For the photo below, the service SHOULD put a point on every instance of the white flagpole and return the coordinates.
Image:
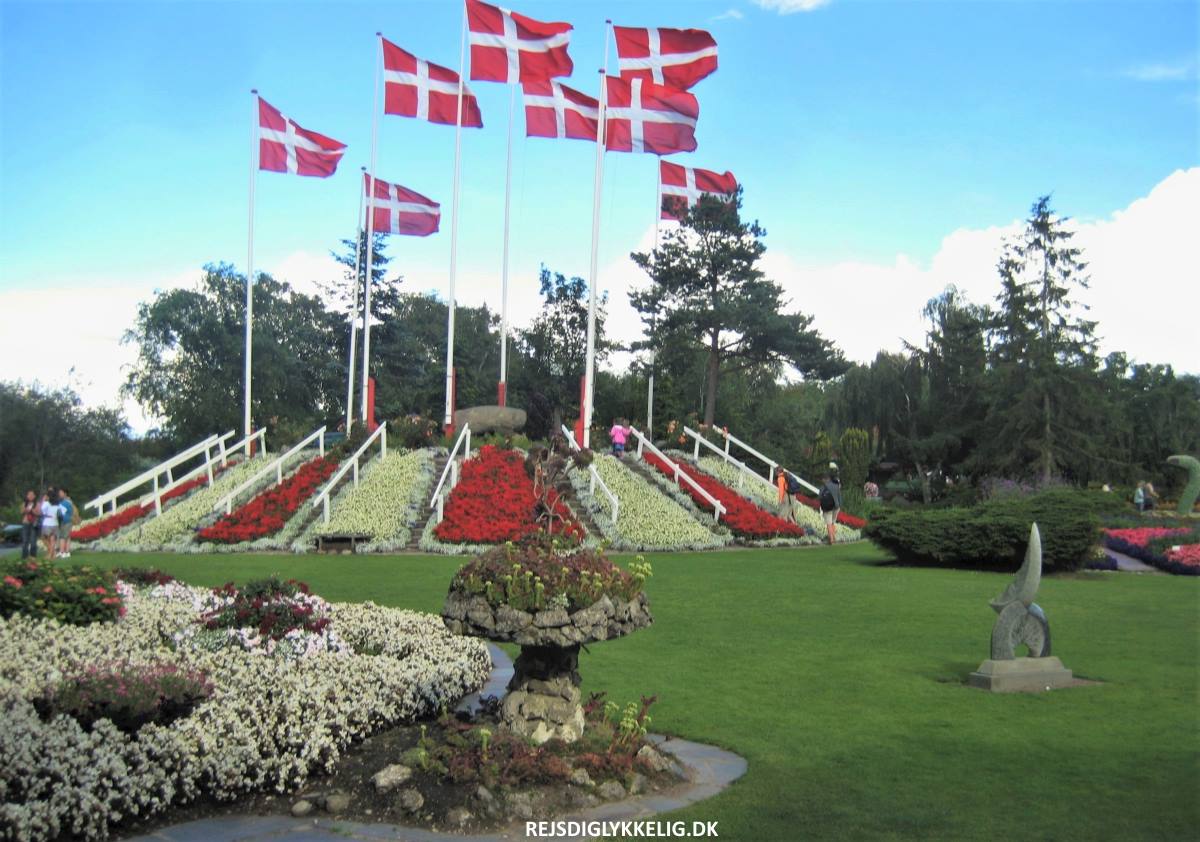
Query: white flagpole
(370, 227)
(589, 390)
(462, 61)
(358, 240)
(250, 265)
(653, 351)
(502, 391)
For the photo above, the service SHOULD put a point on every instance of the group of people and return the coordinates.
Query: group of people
(829, 498)
(1144, 496)
(50, 517)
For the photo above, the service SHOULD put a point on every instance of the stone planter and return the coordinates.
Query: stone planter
(543, 697)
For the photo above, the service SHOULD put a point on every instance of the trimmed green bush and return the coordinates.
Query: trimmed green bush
(993, 535)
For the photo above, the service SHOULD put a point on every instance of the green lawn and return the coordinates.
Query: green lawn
(840, 681)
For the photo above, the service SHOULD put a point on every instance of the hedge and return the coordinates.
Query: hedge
(993, 535)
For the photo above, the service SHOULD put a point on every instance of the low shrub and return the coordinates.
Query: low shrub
(413, 431)
(143, 577)
(75, 595)
(993, 534)
(128, 695)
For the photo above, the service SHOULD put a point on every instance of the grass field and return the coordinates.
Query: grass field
(840, 679)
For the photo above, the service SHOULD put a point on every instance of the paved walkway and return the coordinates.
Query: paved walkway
(709, 770)
(1130, 564)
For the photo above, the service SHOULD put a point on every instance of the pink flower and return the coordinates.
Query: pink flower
(16, 583)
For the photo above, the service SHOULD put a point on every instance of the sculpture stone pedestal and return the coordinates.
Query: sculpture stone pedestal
(1021, 675)
(543, 696)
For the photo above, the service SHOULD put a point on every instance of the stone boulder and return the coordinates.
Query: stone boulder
(605, 619)
(505, 420)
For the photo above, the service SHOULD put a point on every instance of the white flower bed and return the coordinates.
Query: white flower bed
(391, 496)
(758, 493)
(271, 722)
(647, 519)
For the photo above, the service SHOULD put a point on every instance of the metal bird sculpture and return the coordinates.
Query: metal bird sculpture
(1021, 619)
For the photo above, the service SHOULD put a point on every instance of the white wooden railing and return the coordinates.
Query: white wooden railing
(680, 474)
(744, 470)
(207, 447)
(614, 505)
(771, 464)
(322, 499)
(451, 469)
(275, 465)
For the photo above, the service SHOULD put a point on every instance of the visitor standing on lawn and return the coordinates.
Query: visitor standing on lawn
(49, 517)
(783, 499)
(31, 520)
(68, 516)
(831, 500)
(619, 435)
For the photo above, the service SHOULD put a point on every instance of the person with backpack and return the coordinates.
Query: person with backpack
(68, 517)
(831, 500)
(31, 518)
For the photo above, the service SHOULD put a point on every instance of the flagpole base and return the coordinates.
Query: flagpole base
(501, 393)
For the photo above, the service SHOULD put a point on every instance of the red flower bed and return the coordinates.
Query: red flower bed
(124, 517)
(842, 518)
(1144, 535)
(269, 511)
(743, 518)
(494, 502)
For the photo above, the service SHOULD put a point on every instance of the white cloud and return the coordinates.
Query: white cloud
(1142, 264)
(789, 7)
(1162, 71)
(728, 14)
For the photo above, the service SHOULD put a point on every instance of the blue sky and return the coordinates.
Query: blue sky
(860, 130)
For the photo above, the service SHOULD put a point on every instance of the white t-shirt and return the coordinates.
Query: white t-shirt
(49, 514)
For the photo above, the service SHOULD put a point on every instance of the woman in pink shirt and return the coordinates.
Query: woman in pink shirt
(619, 433)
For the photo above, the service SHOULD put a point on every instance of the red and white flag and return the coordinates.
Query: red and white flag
(285, 147)
(641, 116)
(683, 186)
(508, 47)
(399, 210)
(417, 88)
(554, 110)
(676, 57)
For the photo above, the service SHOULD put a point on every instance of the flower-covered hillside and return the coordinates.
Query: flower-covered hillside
(268, 511)
(392, 494)
(647, 519)
(104, 525)
(266, 686)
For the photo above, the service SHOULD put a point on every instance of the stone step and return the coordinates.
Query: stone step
(414, 540)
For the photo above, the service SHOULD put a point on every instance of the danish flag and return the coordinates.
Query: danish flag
(554, 110)
(676, 57)
(641, 116)
(509, 47)
(417, 88)
(399, 210)
(683, 186)
(285, 147)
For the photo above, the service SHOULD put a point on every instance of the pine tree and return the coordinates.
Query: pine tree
(1043, 355)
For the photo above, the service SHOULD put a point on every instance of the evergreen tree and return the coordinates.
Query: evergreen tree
(1045, 397)
(707, 291)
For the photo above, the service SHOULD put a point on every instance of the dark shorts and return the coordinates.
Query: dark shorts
(618, 448)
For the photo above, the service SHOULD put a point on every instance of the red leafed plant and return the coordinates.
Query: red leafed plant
(842, 518)
(267, 513)
(495, 502)
(124, 517)
(743, 518)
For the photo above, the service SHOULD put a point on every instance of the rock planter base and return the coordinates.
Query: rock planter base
(543, 696)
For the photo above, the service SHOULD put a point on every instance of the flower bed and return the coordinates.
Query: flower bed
(390, 497)
(74, 595)
(743, 518)
(271, 720)
(269, 511)
(494, 502)
(101, 527)
(175, 527)
(1173, 549)
(648, 519)
(808, 512)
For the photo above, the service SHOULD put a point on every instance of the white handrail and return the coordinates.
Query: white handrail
(322, 498)
(744, 469)
(167, 467)
(452, 469)
(614, 505)
(718, 509)
(275, 465)
(771, 463)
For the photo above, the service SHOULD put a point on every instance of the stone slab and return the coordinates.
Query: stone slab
(1021, 675)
